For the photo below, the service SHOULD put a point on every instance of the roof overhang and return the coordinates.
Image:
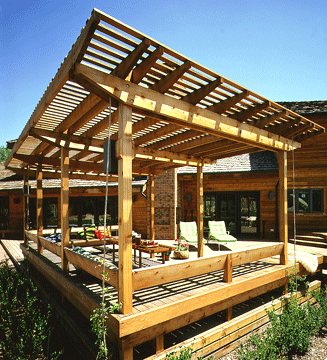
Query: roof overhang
(182, 112)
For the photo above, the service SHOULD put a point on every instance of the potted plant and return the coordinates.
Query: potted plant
(182, 250)
(167, 255)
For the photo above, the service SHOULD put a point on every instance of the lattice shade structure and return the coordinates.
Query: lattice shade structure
(182, 112)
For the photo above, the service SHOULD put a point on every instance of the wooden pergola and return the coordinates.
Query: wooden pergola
(165, 110)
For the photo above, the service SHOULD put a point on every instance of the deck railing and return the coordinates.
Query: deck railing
(157, 275)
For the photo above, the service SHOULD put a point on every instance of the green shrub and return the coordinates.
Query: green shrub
(290, 331)
(24, 319)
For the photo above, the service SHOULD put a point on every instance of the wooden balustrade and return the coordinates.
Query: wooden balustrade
(157, 275)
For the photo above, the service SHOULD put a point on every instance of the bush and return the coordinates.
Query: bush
(24, 325)
(290, 331)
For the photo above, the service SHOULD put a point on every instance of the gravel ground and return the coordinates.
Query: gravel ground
(318, 351)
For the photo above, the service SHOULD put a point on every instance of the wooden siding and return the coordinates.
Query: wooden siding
(16, 207)
(262, 182)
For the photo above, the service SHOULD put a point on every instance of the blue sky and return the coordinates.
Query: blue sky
(275, 48)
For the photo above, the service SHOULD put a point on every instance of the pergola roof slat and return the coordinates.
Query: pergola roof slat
(179, 107)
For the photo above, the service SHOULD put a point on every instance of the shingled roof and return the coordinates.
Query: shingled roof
(306, 107)
(259, 162)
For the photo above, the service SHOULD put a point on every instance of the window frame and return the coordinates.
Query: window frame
(310, 200)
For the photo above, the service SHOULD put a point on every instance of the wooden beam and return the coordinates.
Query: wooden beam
(199, 205)
(223, 105)
(303, 137)
(64, 205)
(165, 130)
(169, 80)
(153, 104)
(86, 166)
(141, 69)
(197, 95)
(59, 80)
(90, 101)
(89, 115)
(39, 206)
(250, 111)
(213, 146)
(268, 119)
(297, 130)
(182, 137)
(62, 139)
(164, 154)
(89, 86)
(125, 66)
(279, 128)
(125, 287)
(282, 203)
(102, 125)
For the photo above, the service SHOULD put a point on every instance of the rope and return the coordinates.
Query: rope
(294, 220)
(105, 227)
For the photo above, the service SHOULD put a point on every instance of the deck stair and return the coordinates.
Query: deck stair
(314, 239)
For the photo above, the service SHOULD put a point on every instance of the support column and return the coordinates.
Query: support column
(282, 211)
(39, 207)
(151, 186)
(26, 208)
(124, 153)
(64, 203)
(199, 204)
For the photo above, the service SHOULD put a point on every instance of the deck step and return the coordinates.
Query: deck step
(309, 243)
(322, 234)
(315, 238)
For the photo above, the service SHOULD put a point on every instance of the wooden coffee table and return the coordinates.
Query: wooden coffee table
(152, 250)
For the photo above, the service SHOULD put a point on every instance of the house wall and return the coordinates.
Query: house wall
(262, 182)
(16, 207)
(310, 171)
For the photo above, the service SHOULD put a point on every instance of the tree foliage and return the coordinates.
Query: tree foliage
(4, 153)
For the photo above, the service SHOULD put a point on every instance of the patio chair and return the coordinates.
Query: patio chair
(189, 231)
(218, 232)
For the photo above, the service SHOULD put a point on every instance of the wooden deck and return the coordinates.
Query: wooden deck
(166, 307)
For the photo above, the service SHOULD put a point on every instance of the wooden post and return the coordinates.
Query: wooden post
(151, 185)
(39, 207)
(160, 344)
(64, 203)
(228, 272)
(124, 153)
(199, 203)
(228, 277)
(282, 211)
(26, 209)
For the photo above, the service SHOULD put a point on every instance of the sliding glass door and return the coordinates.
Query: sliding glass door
(239, 210)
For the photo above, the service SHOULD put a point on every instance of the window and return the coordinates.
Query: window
(4, 212)
(50, 212)
(306, 200)
(85, 211)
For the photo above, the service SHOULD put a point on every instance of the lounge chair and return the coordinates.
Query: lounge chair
(189, 231)
(218, 232)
